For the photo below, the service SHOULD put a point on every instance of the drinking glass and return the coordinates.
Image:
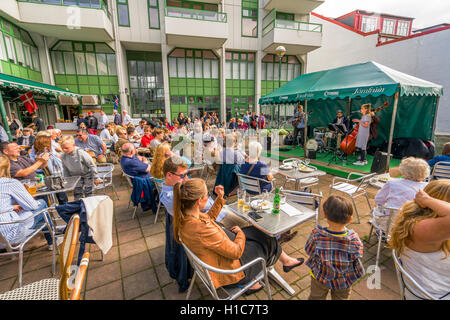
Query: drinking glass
(307, 160)
(246, 204)
(240, 197)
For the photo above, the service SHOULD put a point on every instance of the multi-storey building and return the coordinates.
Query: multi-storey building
(389, 26)
(160, 57)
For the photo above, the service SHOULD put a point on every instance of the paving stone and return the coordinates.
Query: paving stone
(95, 258)
(156, 241)
(111, 291)
(135, 263)
(140, 283)
(163, 275)
(102, 275)
(129, 235)
(128, 225)
(132, 248)
(6, 285)
(154, 295)
(158, 255)
(153, 229)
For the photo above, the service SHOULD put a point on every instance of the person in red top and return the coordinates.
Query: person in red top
(147, 138)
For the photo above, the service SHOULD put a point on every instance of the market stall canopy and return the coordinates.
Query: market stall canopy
(30, 85)
(358, 80)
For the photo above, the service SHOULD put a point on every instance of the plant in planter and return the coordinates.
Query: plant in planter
(282, 133)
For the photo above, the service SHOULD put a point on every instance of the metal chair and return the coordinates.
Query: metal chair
(302, 183)
(252, 184)
(53, 288)
(385, 228)
(158, 186)
(105, 172)
(353, 187)
(16, 245)
(406, 282)
(130, 183)
(441, 170)
(202, 271)
(311, 200)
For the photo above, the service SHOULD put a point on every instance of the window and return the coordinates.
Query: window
(403, 28)
(285, 16)
(69, 62)
(388, 26)
(3, 54)
(80, 62)
(91, 63)
(35, 57)
(290, 68)
(19, 52)
(250, 22)
(182, 64)
(153, 14)
(112, 69)
(122, 13)
(58, 63)
(28, 61)
(101, 64)
(369, 24)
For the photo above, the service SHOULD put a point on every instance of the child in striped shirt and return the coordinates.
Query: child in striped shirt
(334, 253)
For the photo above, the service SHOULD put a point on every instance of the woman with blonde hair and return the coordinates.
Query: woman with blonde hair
(16, 203)
(162, 153)
(398, 191)
(421, 237)
(222, 248)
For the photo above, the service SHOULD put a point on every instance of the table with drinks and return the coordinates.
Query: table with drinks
(51, 186)
(273, 214)
(299, 170)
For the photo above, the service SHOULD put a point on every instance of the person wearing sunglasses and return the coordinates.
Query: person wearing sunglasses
(93, 143)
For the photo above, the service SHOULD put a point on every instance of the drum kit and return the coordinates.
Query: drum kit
(330, 140)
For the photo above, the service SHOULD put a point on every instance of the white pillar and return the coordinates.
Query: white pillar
(164, 59)
(223, 92)
(121, 67)
(258, 76)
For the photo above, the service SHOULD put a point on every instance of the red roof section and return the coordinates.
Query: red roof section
(414, 36)
(364, 34)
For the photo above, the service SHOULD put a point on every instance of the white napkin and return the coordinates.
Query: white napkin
(290, 210)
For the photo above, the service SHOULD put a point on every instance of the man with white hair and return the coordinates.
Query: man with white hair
(126, 118)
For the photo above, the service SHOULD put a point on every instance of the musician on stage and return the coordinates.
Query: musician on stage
(299, 121)
(363, 134)
(342, 120)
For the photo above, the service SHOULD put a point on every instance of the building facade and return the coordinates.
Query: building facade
(389, 26)
(160, 57)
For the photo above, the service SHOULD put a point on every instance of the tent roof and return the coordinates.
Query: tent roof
(358, 80)
(25, 84)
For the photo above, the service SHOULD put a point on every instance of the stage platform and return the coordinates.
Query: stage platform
(335, 167)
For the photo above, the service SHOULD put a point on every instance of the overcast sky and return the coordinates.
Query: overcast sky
(426, 13)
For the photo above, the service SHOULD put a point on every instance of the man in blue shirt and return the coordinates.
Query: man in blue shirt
(300, 127)
(133, 165)
(92, 143)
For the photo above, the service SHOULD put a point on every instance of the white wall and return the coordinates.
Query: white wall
(425, 57)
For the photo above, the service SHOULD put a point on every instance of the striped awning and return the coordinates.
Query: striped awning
(7, 80)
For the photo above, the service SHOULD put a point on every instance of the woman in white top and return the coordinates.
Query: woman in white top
(398, 191)
(16, 203)
(421, 236)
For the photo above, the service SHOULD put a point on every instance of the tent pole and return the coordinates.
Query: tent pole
(391, 133)
(349, 107)
(4, 118)
(306, 126)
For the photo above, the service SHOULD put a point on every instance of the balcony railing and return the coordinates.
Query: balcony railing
(93, 4)
(196, 14)
(270, 22)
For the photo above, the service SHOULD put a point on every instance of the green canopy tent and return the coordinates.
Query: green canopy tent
(25, 85)
(412, 101)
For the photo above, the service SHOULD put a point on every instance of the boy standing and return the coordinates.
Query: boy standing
(334, 253)
(77, 162)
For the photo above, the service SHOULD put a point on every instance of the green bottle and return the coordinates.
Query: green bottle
(276, 202)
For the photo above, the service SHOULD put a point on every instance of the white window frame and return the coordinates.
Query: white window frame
(372, 22)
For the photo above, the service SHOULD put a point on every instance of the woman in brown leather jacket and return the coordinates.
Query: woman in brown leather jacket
(221, 248)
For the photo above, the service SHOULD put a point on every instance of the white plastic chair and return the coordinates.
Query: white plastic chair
(441, 170)
(252, 184)
(386, 228)
(105, 172)
(15, 246)
(202, 271)
(407, 282)
(353, 187)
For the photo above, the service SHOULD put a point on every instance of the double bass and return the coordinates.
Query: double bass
(348, 145)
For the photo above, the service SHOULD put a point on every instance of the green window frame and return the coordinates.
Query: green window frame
(249, 15)
(153, 11)
(285, 16)
(17, 46)
(122, 8)
(192, 5)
